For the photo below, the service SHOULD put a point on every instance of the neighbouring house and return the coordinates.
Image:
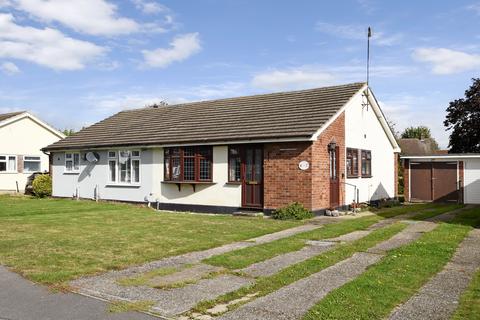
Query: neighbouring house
(442, 177)
(22, 135)
(417, 147)
(324, 147)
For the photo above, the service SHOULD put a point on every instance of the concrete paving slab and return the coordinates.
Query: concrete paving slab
(21, 299)
(438, 299)
(349, 237)
(191, 274)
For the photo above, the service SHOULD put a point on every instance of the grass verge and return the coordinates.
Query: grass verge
(55, 240)
(435, 211)
(469, 308)
(394, 279)
(468, 217)
(266, 285)
(126, 306)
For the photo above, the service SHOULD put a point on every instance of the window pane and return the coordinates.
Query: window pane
(12, 164)
(76, 161)
(167, 168)
(205, 169)
(189, 152)
(112, 154)
(69, 165)
(125, 171)
(136, 170)
(31, 166)
(112, 170)
(136, 153)
(31, 158)
(175, 168)
(234, 166)
(68, 156)
(3, 166)
(189, 169)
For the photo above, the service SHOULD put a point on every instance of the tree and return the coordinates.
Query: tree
(68, 132)
(463, 118)
(157, 104)
(421, 133)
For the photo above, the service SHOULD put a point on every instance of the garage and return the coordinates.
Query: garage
(442, 178)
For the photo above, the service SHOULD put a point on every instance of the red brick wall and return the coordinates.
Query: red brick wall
(284, 182)
(460, 178)
(20, 163)
(406, 179)
(320, 164)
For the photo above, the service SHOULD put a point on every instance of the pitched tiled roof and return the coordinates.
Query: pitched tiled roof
(296, 114)
(5, 116)
(417, 147)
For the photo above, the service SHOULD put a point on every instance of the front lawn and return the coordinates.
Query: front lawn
(56, 240)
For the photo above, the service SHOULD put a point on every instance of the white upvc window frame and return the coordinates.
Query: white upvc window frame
(70, 157)
(113, 158)
(39, 161)
(7, 161)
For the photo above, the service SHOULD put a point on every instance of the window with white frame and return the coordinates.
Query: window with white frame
(72, 162)
(31, 164)
(8, 163)
(124, 166)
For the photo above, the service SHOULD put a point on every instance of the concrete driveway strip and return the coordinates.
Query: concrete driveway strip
(438, 299)
(21, 299)
(310, 290)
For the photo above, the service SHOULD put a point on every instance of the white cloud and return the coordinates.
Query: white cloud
(149, 7)
(292, 79)
(356, 32)
(95, 17)
(9, 68)
(47, 47)
(180, 49)
(446, 61)
(475, 8)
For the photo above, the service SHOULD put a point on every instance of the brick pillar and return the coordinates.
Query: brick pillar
(19, 163)
(406, 179)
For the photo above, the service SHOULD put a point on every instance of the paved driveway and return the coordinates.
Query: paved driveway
(21, 299)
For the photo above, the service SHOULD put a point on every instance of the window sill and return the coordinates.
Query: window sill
(124, 185)
(192, 183)
(234, 182)
(367, 177)
(71, 172)
(9, 172)
(353, 177)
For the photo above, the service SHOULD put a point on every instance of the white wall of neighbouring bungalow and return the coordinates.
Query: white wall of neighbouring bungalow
(24, 137)
(363, 130)
(219, 193)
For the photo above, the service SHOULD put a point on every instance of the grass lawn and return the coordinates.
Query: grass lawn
(54, 240)
(394, 279)
(469, 308)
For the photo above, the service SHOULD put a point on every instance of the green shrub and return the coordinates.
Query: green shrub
(294, 211)
(42, 186)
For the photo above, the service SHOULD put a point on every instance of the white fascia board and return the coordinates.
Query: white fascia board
(336, 115)
(443, 157)
(34, 119)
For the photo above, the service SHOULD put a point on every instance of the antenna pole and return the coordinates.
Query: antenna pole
(368, 54)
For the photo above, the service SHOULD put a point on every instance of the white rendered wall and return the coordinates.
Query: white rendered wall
(220, 193)
(364, 131)
(23, 137)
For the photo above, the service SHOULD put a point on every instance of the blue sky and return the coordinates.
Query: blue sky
(76, 62)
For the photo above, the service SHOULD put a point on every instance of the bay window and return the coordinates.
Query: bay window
(188, 164)
(8, 163)
(72, 162)
(124, 166)
(31, 164)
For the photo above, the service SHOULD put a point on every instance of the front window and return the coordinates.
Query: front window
(352, 163)
(366, 163)
(124, 166)
(31, 164)
(188, 163)
(72, 162)
(234, 164)
(8, 163)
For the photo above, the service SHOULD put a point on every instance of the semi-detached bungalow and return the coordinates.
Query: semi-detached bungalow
(324, 147)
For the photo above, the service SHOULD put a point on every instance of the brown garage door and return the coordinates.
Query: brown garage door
(434, 181)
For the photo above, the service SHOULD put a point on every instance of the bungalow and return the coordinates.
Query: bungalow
(324, 147)
(22, 135)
